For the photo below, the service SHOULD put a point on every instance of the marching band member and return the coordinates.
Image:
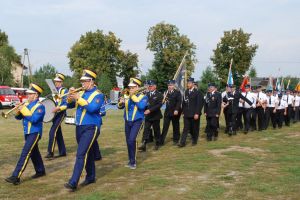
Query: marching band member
(55, 133)
(32, 114)
(88, 122)
(172, 112)
(135, 105)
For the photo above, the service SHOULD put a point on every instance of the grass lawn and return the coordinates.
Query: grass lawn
(260, 165)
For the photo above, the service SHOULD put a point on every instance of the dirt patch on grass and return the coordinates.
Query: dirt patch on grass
(249, 150)
(293, 134)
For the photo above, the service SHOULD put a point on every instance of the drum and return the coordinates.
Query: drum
(70, 120)
(49, 106)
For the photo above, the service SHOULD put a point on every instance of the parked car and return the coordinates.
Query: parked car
(21, 93)
(8, 98)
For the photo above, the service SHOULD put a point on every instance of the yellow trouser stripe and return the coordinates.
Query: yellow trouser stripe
(28, 156)
(86, 155)
(54, 139)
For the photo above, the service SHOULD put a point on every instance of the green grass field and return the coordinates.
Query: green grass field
(260, 165)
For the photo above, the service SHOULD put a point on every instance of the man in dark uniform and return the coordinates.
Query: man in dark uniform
(55, 133)
(191, 113)
(172, 113)
(212, 109)
(152, 116)
(32, 114)
(201, 103)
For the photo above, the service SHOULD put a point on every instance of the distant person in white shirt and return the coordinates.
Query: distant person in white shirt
(296, 106)
(289, 98)
(247, 109)
(280, 110)
(271, 99)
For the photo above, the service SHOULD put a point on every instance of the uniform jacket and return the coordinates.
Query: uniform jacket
(88, 107)
(173, 102)
(154, 105)
(134, 107)
(32, 114)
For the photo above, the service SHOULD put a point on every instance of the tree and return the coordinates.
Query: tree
(128, 66)
(207, 77)
(96, 51)
(47, 71)
(7, 57)
(105, 85)
(169, 47)
(233, 45)
(252, 72)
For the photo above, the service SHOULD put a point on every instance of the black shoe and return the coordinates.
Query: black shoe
(142, 148)
(194, 143)
(86, 182)
(175, 143)
(13, 179)
(181, 145)
(97, 159)
(156, 147)
(70, 187)
(208, 139)
(61, 155)
(37, 175)
(215, 138)
(49, 155)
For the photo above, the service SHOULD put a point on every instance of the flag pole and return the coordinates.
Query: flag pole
(179, 67)
(229, 69)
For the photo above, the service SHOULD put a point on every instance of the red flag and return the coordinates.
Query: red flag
(246, 81)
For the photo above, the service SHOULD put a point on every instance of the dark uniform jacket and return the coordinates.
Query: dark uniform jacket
(173, 102)
(191, 103)
(213, 103)
(154, 105)
(234, 99)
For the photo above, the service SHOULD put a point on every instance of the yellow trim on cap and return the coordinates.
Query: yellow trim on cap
(38, 88)
(60, 75)
(91, 73)
(137, 81)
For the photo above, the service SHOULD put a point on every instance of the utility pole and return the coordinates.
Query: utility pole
(26, 54)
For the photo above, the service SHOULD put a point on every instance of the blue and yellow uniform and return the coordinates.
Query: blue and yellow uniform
(96, 148)
(134, 108)
(55, 133)
(88, 122)
(32, 115)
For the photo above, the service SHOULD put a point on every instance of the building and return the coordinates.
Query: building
(17, 71)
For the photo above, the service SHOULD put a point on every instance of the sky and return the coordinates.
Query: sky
(49, 28)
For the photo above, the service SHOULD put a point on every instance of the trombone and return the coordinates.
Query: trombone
(5, 114)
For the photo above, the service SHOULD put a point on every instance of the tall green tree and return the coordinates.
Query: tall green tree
(252, 72)
(169, 47)
(7, 57)
(47, 71)
(96, 51)
(128, 66)
(104, 84)
(208, 76)
(233, 45)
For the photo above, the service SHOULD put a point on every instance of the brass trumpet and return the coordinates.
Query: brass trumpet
(5, 114)
(57, 96)
(126, 93)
